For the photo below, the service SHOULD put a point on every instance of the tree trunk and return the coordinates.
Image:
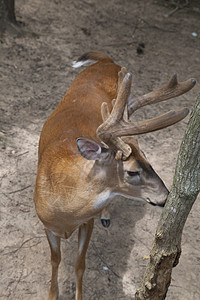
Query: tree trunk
(7, 14)
(186, 186)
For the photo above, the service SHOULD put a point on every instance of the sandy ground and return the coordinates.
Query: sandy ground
(35, 72)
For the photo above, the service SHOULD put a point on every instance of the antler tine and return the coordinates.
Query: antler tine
(122, 96)
(121, 76)
(172, 89)
(104, 108)
(122, 73)
(160, 122)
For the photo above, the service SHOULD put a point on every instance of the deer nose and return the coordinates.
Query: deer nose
(160, 202)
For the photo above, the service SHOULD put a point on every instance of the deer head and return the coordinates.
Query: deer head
(127, 171)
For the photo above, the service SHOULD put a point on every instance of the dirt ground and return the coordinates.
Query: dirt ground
(35, 73)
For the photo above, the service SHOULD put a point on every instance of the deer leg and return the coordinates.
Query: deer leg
(105, 216)
(54, 243)
(85, 232)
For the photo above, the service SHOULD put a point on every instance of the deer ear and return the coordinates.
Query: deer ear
(89, 149)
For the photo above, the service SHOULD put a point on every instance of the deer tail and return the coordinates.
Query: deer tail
(90, 57)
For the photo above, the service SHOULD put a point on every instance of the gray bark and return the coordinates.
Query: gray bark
(186, 186)
(7, 14)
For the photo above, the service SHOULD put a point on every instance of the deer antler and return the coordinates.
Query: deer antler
(115, 124)
(171, 90)
(115, 118)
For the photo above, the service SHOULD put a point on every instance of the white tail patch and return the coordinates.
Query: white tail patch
(78, 64)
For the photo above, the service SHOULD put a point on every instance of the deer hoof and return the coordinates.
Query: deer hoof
(105, 222)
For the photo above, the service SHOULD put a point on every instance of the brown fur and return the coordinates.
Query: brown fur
(71, 190)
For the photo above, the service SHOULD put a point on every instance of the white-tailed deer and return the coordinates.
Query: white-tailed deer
(84, 163)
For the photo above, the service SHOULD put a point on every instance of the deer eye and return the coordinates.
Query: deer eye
(132, 173)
